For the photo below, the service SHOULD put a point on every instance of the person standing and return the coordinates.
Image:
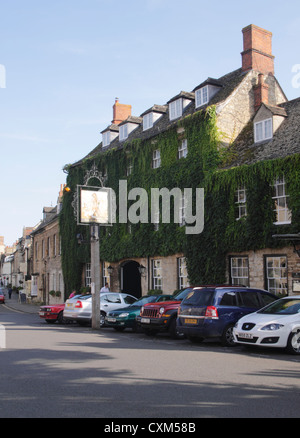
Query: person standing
(105, 289)
(9, 293)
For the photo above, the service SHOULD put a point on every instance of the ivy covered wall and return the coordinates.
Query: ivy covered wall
(206, 252)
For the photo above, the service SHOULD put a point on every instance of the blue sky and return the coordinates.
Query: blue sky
(67, 60)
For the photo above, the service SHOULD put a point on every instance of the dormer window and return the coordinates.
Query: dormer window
(201, 96)
(263, 130)
(123, 132)
(147, 121)
(175, 109)
(106, 139)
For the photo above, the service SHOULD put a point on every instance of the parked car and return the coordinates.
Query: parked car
(51, 314)
(158, 317)
(277, 325)
(2, 297)
(212, 312)
(80, 309)
(120, 319)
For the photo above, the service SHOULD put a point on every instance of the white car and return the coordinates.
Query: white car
(79, 309)
(276, 325)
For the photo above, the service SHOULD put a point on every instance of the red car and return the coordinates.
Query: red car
(2, 298)
(52, 313)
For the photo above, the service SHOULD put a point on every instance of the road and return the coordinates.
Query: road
(70, 371)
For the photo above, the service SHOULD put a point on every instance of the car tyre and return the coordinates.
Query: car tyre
(102, 319)
(293, 343)
(227, 338)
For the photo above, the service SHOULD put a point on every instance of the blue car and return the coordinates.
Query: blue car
(212, 312)
(126, 318)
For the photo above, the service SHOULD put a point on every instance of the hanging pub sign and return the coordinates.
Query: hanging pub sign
(95, 206)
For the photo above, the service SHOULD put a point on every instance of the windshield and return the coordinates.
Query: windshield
(199, 297)
(145, 300)
(182, 294)
(282, 307)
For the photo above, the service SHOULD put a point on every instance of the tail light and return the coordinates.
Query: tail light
(78, 305)
(211, 312)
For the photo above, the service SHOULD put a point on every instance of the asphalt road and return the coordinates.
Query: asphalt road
(71, 371)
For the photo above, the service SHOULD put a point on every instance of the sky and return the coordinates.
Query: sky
(63, 63)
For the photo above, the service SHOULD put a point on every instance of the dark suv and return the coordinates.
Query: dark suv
(211, 312)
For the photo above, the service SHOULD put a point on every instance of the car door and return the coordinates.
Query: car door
(110, 301)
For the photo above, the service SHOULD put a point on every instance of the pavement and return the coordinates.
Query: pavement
(15, 304)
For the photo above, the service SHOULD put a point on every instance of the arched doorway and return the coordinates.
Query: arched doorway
(131, 278)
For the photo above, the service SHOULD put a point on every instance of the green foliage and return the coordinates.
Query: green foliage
(206, 252)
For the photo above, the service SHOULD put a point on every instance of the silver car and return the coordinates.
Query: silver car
(79, 309)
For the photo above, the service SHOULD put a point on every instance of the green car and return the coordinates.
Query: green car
(125, 318)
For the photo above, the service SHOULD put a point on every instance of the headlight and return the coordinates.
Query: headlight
(123, 315)
(272, 327)
(161, 310)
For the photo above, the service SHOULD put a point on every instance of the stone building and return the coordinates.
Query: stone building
(236, 137)
(47, 283)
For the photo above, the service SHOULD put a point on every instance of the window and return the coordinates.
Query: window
(201, 96)
(147, 121)
(283, 214)
(182, 149)
(54, 245)
(105, 274)
(241, 209)
(156, 159)
(123, 132)
(156, 274)
(239, 271)
(250, 299)
(182, 206)
(175, 109)
(276, 274)
(263, 130)
(182, 273)
(105, 138)
(129, 167)
(229, 299)
(48, 247)
(88, 275)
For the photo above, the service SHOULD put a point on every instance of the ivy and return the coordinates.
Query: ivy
(206, 252)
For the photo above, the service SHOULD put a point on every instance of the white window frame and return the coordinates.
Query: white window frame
(175, 109)
(239, 270)
(241, 199)
(147, 121)
(183, 149)
(283, 214)
(156, 161)
(129, 167)
(156, 275)
(276, 274)
(88, 274)
(263, 130)
(182, 206)
(182, 273)
(106, 139)
(202, 96)
(123, 132)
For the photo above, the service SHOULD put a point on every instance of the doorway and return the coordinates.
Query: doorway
(131, 279)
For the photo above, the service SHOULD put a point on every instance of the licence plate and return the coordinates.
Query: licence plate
(245, 335)
(42, 313)
(190, 321)
(145, 320)
(111, 319)
(69, 305)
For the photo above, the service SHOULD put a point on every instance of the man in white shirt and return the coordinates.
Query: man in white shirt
(105, 288)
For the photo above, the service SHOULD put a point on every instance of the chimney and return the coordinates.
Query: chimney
(257, 54)
(120, 112)
(261, 92)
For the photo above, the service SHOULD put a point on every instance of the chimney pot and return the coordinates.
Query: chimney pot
(120, 112)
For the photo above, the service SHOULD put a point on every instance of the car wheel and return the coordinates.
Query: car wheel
(60, 318)
(102, 319)
(293, 344)
(227, 338)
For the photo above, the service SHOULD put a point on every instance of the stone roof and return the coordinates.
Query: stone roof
(285, 141)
